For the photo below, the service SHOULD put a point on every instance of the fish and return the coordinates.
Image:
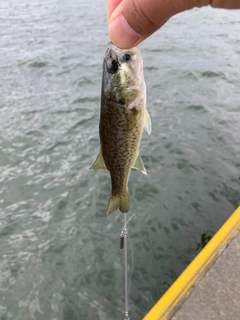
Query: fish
(123, 117)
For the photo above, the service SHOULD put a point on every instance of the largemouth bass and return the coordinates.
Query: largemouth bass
(122, 119)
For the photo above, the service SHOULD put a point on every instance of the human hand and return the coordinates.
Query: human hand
(132, 21)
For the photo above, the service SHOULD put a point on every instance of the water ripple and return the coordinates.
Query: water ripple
(56, 243)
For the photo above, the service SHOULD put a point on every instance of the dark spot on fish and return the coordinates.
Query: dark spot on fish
(134, 110)
(121, 101)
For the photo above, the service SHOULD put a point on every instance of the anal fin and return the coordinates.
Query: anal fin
(138, 165)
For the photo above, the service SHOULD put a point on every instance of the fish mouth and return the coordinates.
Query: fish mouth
(122, 55)
(131, 51)
(116, 57)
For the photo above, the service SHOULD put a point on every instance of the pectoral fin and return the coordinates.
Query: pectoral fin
(138, 165)
(147, 122)
(99, 163)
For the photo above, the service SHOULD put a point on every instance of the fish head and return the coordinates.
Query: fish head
(122, 68)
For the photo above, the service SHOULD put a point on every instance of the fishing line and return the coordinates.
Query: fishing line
(123, 244)
(131, 250)
(132, 264)
(125, 224)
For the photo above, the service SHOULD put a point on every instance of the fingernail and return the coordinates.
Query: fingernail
(122, 34)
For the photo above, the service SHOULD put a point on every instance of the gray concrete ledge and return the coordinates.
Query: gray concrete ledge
(217, 295)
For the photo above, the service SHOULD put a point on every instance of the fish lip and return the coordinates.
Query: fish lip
(119, 53)
(112, 46)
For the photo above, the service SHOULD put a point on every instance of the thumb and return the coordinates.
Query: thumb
(132, 21)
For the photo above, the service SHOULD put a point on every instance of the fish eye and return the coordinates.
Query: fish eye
(113, 67)
(126, 57)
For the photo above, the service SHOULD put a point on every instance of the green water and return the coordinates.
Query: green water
(59, 255)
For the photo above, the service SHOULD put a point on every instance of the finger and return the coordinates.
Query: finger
(226, 4)
(133, 21)
(112, 5)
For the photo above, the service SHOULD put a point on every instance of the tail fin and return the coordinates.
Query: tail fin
(121, 202)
